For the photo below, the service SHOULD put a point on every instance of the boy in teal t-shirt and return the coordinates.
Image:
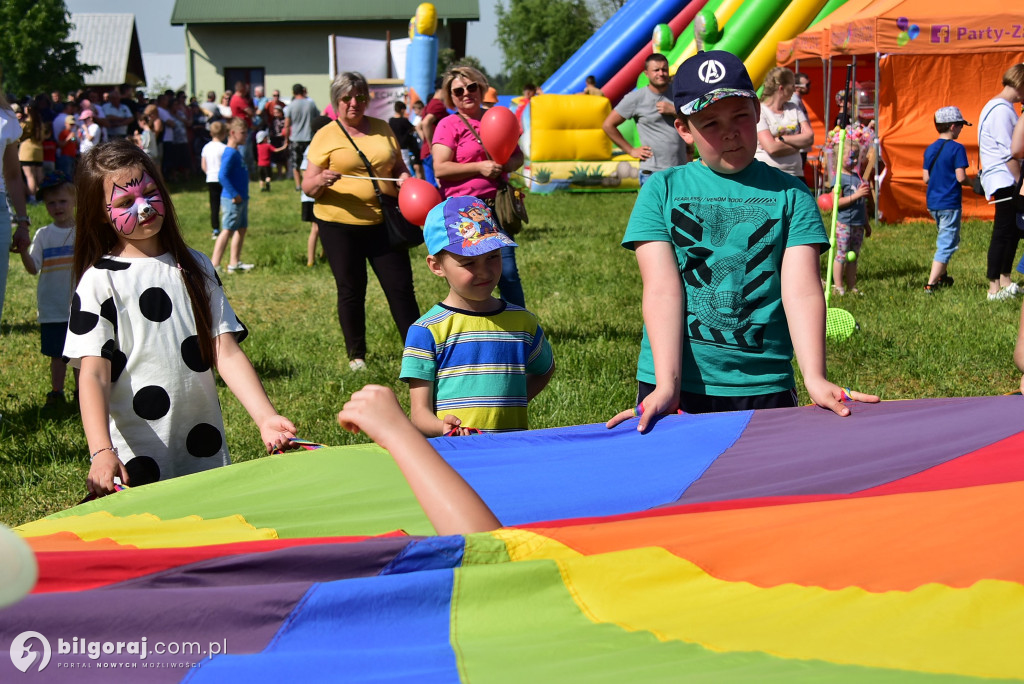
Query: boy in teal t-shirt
(728, 250)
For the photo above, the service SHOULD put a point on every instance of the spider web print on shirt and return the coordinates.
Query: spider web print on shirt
(721, 294)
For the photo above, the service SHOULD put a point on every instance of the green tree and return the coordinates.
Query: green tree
(538, 36)
(35, 52)
(447, 58)
(604, 9)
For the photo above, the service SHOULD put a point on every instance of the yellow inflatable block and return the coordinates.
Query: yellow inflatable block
(569, 127)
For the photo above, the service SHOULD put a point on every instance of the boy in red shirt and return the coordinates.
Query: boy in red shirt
(67, 143)
(264, 158)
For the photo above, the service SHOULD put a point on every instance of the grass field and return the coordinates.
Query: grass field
(584, 287)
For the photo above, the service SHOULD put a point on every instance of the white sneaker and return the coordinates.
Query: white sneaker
(1014, 289)
(1001, 295)
(239, 267)
(357, 365)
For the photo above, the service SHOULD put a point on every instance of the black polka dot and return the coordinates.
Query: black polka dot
(111, 265)
(203, 441)
(80, 322)
(241, 334)
(118, 361)
(151, 402)
(191, 356)
(109, 311)
(142, 470)
(155, 305)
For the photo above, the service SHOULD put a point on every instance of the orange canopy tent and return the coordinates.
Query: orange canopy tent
(926, 54)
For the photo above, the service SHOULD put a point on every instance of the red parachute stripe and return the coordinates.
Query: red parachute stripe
(95, 568)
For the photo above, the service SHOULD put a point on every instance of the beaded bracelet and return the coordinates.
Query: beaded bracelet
(109, 448)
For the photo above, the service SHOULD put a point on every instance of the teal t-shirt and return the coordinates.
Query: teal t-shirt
(729, 233)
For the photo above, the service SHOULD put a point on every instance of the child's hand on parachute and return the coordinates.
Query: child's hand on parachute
(105, 467)
(277, 432)
(657, 403)
(831, 396)
(452, 427)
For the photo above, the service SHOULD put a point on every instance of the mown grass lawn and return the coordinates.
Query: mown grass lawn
(584, 287)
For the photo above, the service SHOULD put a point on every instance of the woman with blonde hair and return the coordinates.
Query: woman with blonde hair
(783, 129)
(12, 190)
(462, 165)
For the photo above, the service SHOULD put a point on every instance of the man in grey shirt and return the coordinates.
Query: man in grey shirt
(298, 116)
(652, 109)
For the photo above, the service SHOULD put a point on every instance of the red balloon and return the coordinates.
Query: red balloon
(416, 198)
(499, 132)
(825, 201)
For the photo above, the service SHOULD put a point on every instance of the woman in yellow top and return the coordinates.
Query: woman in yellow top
(349, 215)
(30, 152)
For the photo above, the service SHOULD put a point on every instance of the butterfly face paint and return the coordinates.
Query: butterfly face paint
(131, 204)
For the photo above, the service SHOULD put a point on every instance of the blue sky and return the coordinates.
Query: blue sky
(157, 35)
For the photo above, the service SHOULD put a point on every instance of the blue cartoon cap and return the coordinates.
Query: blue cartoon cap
(464, 226)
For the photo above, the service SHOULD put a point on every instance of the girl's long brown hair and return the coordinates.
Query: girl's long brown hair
(95, 235)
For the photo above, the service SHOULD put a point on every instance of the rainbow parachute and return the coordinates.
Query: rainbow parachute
(787, 545)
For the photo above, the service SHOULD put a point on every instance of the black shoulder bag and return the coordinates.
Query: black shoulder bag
(976, 185)
(401, 233)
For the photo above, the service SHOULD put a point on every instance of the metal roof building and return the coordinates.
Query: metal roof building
(111, 42)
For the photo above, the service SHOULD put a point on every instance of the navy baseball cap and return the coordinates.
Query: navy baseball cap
(463, 226)
(708, 77)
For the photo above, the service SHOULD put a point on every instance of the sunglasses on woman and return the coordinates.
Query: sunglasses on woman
(358, 98)
(470, 88)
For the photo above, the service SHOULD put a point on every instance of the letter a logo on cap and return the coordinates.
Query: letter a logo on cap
(711, 71)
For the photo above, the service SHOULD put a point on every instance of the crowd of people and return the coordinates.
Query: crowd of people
(473, 362)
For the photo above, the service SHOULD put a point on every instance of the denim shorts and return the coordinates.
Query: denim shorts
(234, 216)
(948, 241)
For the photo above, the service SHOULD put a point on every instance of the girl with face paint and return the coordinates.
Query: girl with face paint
(149, 322)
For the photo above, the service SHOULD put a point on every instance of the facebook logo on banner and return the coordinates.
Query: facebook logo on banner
(940, 33)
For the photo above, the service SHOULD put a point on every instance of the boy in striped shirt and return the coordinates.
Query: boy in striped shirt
(50, 256)
(472, 362)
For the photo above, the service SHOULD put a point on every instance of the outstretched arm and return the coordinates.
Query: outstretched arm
(451, 505)
(234, 367)
(804, 304)
(663, 304)
(94, 399)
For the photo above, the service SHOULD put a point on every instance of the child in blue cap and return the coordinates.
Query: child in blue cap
(728, 249)
(473, 361)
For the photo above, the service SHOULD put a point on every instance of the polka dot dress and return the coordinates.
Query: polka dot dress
(163, 397)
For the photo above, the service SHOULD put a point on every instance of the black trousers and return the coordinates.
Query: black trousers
(348, 248)
(215, 190)
(1002, 248)
(704, 403)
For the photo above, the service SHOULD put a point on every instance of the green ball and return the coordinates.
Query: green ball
(851, 256)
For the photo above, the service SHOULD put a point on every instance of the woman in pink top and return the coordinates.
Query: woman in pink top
(462, 166)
